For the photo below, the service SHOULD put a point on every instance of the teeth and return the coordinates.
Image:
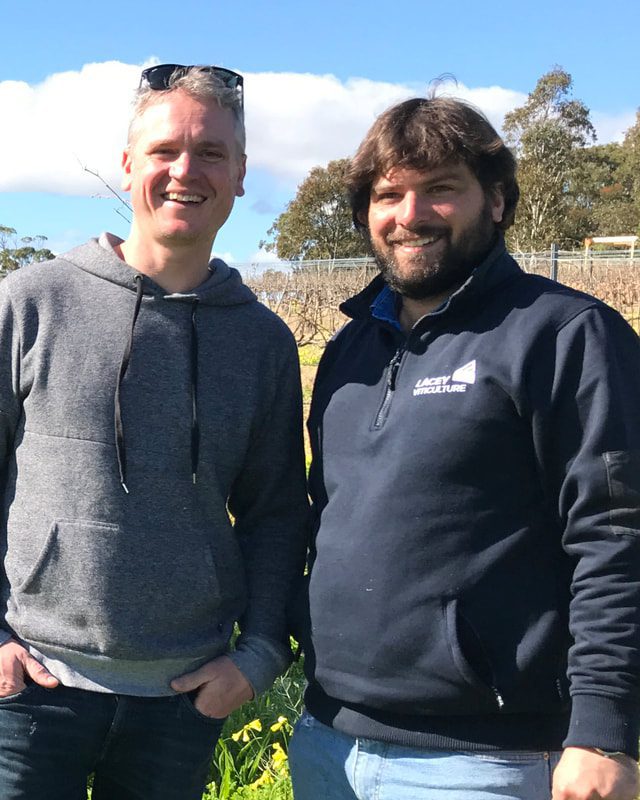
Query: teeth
(419, 242)
(184, 198)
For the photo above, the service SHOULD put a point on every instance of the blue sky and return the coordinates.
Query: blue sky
(316, 76)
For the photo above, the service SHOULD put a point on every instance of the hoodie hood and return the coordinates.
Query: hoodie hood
(223, 287)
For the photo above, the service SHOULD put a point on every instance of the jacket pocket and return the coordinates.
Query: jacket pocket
(411, 662)
(623, 478)
(101, 589)
(469, 654)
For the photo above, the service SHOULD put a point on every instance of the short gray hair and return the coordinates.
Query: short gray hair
(200, 84)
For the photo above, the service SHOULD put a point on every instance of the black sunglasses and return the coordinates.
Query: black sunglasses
(158, 77)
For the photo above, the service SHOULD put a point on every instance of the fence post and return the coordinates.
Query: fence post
(554, 262)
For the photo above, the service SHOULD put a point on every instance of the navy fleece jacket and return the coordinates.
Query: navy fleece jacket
(475, 577)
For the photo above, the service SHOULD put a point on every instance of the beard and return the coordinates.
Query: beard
(421, 275)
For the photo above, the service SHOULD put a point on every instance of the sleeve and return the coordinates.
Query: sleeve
(588, 434)
(10, 403)
(270, 506)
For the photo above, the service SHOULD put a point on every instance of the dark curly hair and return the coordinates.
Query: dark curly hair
(423, 133)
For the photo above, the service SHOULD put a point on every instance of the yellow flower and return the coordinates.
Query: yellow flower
(254, 725)
(264, 779)
(280, 722)
(279, 758)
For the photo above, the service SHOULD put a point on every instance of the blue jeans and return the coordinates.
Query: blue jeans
(139, 748)
(329, 765)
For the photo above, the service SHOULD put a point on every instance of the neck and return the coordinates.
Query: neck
(175, 269)
(413, 310)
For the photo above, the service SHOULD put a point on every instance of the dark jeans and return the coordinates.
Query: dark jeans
(140, 748)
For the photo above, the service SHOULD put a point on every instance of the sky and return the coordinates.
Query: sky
(316, 76)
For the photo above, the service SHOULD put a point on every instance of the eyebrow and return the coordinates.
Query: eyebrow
(203, 143)
(440, 174)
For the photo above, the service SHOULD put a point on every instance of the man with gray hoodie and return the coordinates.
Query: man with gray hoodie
(152, 475)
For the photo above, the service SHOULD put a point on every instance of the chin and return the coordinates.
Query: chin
(181, 236)
(425, 279)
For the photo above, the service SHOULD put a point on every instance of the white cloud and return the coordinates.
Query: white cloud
(72, 119)
(264, 257)
(294, 122)
(298, 121)
(226, 256)
(261, 261)
(307, 120)
(612, 128)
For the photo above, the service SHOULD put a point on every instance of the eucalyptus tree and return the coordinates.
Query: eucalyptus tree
(317, 223)
(547, 134)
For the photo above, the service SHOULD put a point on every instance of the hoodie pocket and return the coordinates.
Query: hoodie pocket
(101, 589)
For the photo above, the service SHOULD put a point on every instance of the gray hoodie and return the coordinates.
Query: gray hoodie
(153, 473)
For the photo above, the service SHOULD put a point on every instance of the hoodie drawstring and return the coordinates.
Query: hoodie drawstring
(124, 364)
(195, 427)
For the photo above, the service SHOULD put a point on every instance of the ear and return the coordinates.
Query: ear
(496, 201)
(242, 171)
(363, 217)
(126, 170)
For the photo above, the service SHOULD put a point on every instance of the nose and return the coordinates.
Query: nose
(413, 209)
(181, 165)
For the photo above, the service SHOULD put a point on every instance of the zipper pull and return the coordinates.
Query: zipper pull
(499, 699)
(394, 366)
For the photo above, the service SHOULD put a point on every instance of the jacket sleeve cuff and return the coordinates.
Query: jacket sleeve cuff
(260, 660)
(612, 724)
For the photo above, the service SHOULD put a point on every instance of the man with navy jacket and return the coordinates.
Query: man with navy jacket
(475, 571)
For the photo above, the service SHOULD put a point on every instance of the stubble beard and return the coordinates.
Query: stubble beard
(421, 277)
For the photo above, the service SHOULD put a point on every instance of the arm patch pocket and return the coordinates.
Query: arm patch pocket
(623, 477)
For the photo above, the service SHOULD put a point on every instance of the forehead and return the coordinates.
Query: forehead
(408, 176)
(177, 114)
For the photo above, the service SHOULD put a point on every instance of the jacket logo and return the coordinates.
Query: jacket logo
(466, 374)
(456, 382)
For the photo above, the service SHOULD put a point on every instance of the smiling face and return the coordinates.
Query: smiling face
(183, 170)
(430, 228)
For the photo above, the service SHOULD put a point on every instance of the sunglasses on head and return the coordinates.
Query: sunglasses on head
(158, 77)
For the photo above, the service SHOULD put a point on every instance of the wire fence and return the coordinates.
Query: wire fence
(610, 276)
(307, 294)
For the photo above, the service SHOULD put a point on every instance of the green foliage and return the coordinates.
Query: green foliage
(16, 253)
(547, 134)
(629, 174)
(279, 790)
(250, 759)
(310, 355)
(317, 223)
(605, 187)
(592, 188)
